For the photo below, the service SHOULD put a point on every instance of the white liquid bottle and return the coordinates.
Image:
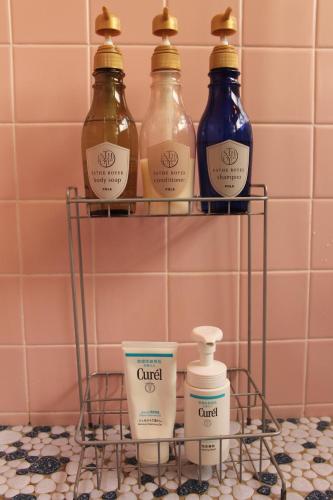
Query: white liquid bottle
(167, 137)
(207, 401)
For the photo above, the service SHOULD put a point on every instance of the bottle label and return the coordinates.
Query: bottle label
(228, 167)
(207, 416)
(108, 168)
(169, 168)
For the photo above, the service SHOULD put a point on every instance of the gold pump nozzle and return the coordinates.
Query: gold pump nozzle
(224, 24)
(165, 56)
(108, 55)
(107, 24)
(224, 55)
(165, 25)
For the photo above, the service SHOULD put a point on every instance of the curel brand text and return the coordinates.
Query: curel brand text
(207, 413)
(149, 375)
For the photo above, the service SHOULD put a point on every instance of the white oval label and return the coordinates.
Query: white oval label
(228, 167)
(108, 168)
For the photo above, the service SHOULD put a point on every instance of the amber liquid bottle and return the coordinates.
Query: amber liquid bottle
(109, 135)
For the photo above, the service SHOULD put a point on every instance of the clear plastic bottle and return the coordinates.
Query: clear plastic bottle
(167, 137)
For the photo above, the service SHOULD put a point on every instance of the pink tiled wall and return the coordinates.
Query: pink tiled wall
(156, 277)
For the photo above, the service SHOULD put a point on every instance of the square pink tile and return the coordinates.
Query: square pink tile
(323, 182)
(70, 418)
(321, 313)
(15, 418)
(227, 352)
(10, 310)
(324, 82)
(32, 22)
(130, 308)
(324, 26)
(6, 110)
(267, 96)
(110, 358)
(48, 312)
(287, 411)
(13, 394)
(44, 238)
(9, 253)
(315, 410)
(269, 160)
(283, 25)
(322, 235)
(7, 176)
(48, 160)
(319, 372)
(202, 300)
(133, 245)
(37, 80)
(287, 306)
(285, 371)
(4, 22)
(288, 236)
(196, 244)
(53, 378)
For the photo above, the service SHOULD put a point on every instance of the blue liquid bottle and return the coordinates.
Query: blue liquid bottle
(225, 132)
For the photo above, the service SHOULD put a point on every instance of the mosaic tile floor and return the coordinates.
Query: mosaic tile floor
(41, 462)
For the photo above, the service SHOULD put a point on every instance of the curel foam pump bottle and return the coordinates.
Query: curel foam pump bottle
(207, 401)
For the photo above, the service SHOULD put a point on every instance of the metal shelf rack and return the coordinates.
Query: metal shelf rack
(103, 394)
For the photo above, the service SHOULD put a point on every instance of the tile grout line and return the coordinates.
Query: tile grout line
(307, 331)
(88, 52)
(54, 123)
(208, 46)
(184, 343)
(17, 212)
(171, 273)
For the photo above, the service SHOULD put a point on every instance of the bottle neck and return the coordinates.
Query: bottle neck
(166, 88)
(224, 84)
(108, 88)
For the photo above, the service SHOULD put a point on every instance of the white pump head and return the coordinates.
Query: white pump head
(207, 336)
(206, 373)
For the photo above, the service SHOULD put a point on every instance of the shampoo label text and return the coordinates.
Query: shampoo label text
(228, 167)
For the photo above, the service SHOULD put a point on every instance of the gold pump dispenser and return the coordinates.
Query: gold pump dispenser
(165, 56)
(224, 55)
(108, 55)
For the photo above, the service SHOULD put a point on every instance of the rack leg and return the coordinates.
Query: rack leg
(264, 328)
(74, 298)
(249, 311)
(83, 307)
